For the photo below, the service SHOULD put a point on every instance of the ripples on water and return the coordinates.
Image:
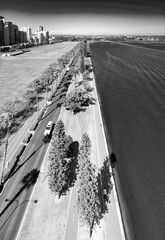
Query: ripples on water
(131, 85)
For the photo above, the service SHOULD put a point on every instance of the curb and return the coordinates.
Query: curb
(112, 178)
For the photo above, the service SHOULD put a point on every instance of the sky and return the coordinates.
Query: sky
(114, 17)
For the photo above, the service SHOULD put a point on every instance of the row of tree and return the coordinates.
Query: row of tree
(78, 99)
(60, 156)
(92, 183)
(88, 199)
(19, 109)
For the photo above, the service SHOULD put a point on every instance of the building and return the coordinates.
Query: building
(35, 40)
(16, 34)
(22, 37)
(10, 33)
(6, 35)
(40, 29)
(28, 31)
(2, 31)
(41, 37)
(46, 36)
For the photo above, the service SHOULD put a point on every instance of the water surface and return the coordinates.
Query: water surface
(131, 86)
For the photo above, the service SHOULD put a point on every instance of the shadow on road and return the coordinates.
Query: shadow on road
(71, 167)
(27, 181)
(104, 186)
(16, 166)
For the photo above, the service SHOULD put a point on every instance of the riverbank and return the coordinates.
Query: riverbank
(52, 216)
(114, 195)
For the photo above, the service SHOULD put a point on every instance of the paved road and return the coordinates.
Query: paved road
(72, 221)
(16, 195)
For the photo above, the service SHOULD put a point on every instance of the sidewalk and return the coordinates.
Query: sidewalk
(90, 121)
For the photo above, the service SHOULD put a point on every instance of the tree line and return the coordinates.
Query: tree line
(68, 162)
(14, 112)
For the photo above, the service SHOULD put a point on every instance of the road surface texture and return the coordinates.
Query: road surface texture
(15, 197)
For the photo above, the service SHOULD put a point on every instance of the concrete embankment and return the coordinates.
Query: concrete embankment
(114, 191)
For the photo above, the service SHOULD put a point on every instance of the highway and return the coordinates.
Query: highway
(15, 197)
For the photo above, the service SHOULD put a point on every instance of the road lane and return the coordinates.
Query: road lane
(16, 192)
(72, 221)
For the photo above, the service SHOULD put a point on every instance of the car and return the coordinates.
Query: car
(48, 128)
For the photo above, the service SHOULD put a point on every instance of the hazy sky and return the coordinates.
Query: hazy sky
(88, 17)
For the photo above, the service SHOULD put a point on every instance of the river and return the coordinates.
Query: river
(131, 86)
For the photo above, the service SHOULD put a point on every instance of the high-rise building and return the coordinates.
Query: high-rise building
(43, 36)
(46, 36)
(35, 39)
(22, 37)
(6, 35)
(40, 29)
(10, 27)
(28, 31)
(16, 34)
(40, 37)
(2, 31)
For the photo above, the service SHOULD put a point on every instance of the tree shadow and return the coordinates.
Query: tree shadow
(27, 181)
(71, 166)
(64, 90)
(104, 186)
(18, 121)
(59, 104)
(88, 101)
(16, 167)
(113, 160)
(78, 110)
(66, 84)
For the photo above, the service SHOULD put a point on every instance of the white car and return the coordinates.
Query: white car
(48, 128)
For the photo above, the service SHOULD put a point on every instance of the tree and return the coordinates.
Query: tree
(58, 160)
(75, 73)
(47, 80)
(36, 86)
(7, 125)
(88, 201)
(12, 107)
(78, 100)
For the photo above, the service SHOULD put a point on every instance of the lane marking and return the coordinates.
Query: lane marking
(21, 225)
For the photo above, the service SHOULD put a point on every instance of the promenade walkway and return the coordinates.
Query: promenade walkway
(90, 121)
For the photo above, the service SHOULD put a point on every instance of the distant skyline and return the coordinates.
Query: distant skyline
(88, 17)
